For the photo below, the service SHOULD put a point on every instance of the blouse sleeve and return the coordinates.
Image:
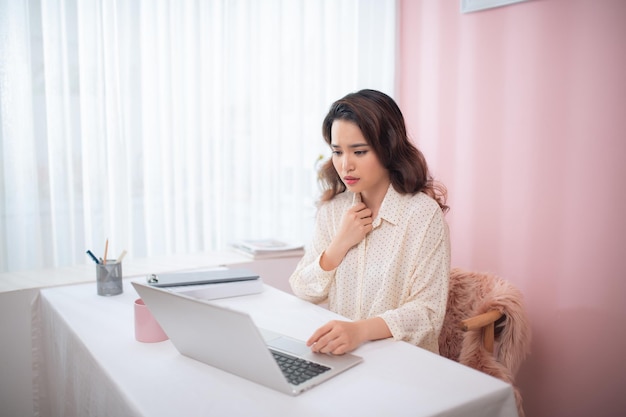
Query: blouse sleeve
(419, 318)
(309, 281)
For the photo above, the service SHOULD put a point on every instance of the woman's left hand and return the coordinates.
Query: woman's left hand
(336, 337)
(339, 337)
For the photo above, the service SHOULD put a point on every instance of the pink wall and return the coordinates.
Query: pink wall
(521, 111)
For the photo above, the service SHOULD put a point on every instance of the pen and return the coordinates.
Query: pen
(119, 258)
(92, 256)
(106, 249)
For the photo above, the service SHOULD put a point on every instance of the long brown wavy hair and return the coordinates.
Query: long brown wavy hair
(382, 124)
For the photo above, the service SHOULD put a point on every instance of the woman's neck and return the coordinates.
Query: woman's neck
(373, 199)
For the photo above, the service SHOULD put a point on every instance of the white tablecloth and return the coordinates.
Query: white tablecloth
(87, 363)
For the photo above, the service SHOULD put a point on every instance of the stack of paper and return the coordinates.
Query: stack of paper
(268, 248)
(221, 290)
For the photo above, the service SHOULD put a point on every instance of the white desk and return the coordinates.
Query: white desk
(87, 362)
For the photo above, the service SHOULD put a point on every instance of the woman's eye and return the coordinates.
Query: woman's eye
(359, 153)
(337, 153)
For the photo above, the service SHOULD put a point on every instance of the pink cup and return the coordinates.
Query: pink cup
(147, 329)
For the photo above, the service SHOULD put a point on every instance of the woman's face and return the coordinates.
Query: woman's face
(355, 161)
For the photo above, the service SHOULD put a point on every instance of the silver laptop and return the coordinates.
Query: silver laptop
(229, 340)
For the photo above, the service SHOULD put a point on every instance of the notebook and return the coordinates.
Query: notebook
(229, 340)
(211, 283)
(211, 276)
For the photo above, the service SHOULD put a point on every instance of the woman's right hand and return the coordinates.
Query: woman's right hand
(355, 224)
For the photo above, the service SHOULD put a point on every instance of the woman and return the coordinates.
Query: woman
(380, 255)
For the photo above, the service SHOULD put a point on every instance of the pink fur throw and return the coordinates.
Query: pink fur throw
(473, 293)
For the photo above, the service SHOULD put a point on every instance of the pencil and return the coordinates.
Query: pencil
(106, 249)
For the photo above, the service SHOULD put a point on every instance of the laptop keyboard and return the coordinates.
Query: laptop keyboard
(298, 370)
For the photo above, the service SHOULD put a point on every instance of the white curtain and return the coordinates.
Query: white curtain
(172, 126)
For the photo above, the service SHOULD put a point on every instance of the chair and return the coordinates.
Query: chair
(486, 326)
